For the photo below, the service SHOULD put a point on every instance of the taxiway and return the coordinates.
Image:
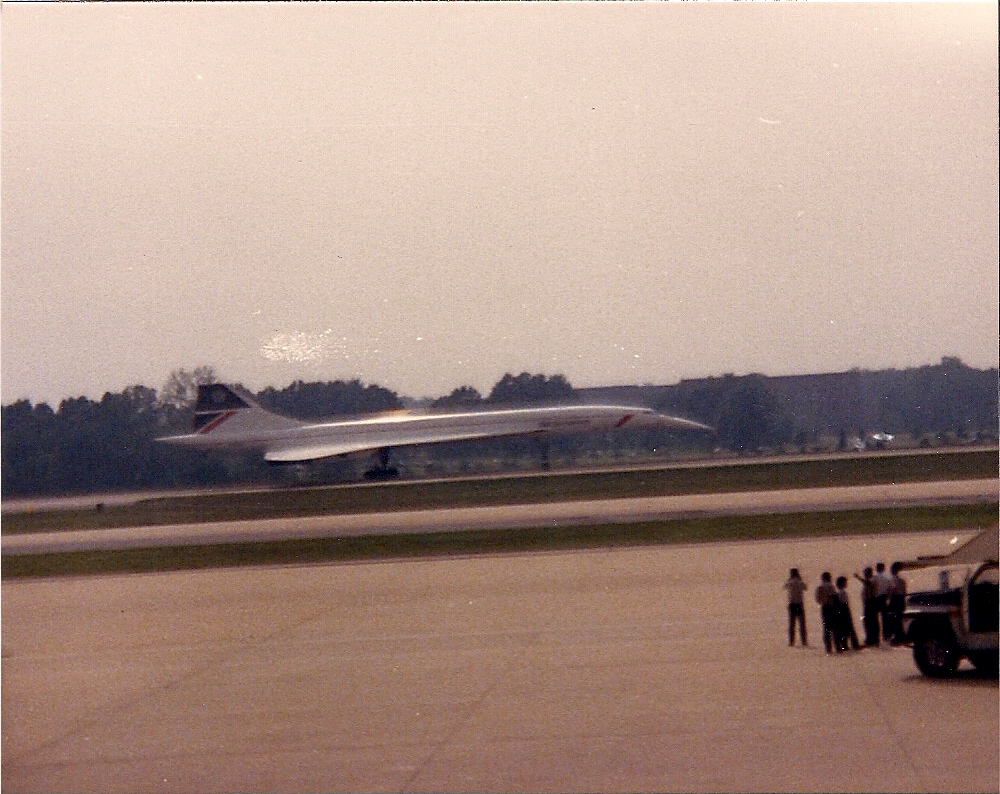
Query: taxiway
(659, 668)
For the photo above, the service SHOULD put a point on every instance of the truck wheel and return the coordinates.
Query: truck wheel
(935, 654)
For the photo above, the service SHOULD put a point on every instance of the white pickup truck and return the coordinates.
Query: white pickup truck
(957, 620)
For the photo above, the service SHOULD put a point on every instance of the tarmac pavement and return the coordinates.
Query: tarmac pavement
(658, 669)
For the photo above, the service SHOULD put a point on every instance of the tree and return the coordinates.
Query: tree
(527, 388)
(947, 397)
(181, 388)
(462, 397)
(27, 447)
(745, 412)
(319, 400)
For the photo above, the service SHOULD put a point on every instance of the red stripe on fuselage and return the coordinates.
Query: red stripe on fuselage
(216, 422)
(624, 419)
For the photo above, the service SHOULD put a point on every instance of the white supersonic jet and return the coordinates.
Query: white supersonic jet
(228, 417)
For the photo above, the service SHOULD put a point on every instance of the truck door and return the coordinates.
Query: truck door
(984, 612)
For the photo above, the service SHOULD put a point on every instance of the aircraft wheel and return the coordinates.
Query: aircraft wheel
(382, 474)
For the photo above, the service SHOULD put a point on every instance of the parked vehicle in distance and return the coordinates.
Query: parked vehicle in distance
(957, 620)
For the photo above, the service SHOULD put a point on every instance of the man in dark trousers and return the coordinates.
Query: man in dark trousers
(826, 597)
(870, 607)
(846, 636)
(897, 603)
(883, 589)
(796, 611)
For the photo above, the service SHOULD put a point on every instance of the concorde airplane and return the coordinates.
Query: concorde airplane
(228, 417)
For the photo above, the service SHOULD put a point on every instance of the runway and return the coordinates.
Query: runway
(509, 516)
(628, 669)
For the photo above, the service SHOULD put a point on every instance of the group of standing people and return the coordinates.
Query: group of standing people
(883, 598)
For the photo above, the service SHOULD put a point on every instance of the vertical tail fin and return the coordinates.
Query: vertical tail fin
(218, 404)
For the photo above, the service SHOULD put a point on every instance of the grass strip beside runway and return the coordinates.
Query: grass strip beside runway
(723, 477)
(518, 540)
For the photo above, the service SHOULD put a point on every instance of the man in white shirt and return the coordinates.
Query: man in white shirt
(796, 611)
(883, 589)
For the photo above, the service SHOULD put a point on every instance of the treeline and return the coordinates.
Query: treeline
(937, 404)
(107, 445)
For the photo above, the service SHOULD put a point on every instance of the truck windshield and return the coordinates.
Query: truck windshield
(938, 577)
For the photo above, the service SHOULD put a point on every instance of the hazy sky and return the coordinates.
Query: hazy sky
(429, 196)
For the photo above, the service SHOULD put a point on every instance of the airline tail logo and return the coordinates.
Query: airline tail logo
(216, 404)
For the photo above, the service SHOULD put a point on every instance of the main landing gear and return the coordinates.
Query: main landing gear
(383, 471)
